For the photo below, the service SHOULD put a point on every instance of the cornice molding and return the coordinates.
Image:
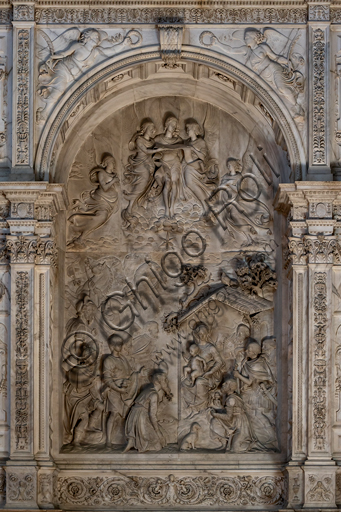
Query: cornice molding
(189, 13)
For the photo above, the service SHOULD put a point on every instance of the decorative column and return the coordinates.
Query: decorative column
(22, 90)
(32, 253)
(319, 60)
(315, 256)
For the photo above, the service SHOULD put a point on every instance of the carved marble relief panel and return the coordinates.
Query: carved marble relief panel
(277, 56)
(169, 341)
(63, 56)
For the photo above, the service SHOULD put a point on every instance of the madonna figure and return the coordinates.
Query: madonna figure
(140, 169)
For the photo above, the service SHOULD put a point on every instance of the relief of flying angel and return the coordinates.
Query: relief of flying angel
(66, 56)
(271, 56)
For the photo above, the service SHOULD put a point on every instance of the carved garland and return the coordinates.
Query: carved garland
(23, 111)
(22, 414)
(320, 362)
(319, 107)
(158, 491)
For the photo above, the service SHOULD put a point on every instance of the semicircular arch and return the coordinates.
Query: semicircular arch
(134, 59)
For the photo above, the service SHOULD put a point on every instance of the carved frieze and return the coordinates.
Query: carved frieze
(21, 487)
(171, 15)
(168, 491)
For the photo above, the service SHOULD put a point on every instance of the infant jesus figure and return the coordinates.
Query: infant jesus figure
(196, 365)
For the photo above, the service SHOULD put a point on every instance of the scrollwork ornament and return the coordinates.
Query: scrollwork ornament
(22, 386)
(172, 490)
(319, 101)
(22, 106)
(21, 487)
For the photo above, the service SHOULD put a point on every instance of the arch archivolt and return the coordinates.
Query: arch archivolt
(202, 74)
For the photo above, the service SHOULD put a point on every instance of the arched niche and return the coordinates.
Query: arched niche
(205, 74)
(149, 267)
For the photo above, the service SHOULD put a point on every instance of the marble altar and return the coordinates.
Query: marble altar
(170, 255)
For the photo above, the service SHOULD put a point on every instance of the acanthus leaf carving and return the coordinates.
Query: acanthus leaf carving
(321, 249)
(171, 15)
(46, 252)
(319, 12)
(21, 249)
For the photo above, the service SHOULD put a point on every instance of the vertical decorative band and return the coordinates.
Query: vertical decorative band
(319, 99)
(23, 113)
(22, 381)
(320, 360)
(41, 362)
(299, 362)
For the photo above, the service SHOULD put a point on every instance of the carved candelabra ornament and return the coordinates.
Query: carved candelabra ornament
(171, 41)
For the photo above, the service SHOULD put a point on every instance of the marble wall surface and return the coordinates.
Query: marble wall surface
(170, 256)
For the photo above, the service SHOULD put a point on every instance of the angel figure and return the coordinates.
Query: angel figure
(70, 53)
(200, 173)
(279, 68)
(243, 213)
(274, 68)
(139, 172)
(96, 207)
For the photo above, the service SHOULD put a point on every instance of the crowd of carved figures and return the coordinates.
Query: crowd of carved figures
(116, 396)
(166, 172)
(169, 344)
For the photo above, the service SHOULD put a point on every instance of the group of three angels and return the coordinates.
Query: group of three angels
(169, 166)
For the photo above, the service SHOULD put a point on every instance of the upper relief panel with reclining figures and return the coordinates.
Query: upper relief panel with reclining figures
(170, 278)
